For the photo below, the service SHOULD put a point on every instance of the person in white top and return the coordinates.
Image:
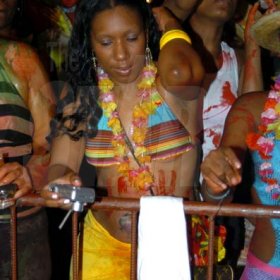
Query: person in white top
(229, 72)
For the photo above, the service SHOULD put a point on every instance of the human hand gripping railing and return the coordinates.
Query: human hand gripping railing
(191, 208)
(78, 198)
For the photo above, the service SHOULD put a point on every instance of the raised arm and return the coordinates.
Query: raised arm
(251, 76)
(180, 67)
(222, 167)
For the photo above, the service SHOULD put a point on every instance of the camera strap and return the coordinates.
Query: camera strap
(130, 147)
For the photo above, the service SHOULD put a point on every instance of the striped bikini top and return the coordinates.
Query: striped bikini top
(16, 123)
(166, 137)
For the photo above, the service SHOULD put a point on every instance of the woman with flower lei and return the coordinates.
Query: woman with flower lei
(145, 140)
(253, 123)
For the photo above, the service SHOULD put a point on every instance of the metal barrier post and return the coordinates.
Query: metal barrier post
(13, 240)
(75, 262)
(133, 262)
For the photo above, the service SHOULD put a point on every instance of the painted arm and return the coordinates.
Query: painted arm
(41, 104)
(222, 167)
(180, 67)
(251, 77)
(38, 96)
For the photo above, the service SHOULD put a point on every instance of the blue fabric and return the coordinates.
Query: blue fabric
(266, 196)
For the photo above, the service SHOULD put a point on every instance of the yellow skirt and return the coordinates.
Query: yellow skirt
(104, 257)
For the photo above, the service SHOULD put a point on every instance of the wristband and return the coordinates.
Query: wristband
(217, 197)
(173, 34)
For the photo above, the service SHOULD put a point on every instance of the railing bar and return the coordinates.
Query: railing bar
(13, 240)
(75, 245)
(211, 244)
(133, 266)
(190, 207)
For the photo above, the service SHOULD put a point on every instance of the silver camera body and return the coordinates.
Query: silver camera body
(78, 196)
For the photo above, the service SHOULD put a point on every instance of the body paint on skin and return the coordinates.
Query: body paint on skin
(21, 59)
(161, 188)
(249, 67)
(122, 185)
(243, 116)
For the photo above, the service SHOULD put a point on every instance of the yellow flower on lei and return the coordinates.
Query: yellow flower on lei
(115, 125)
(275, 126)
(149, 107)
(108, 107)
(120, 150)
(144, 159)
(139, 135)
(139, 113)
(139, 151)
(105, 85)
(141, 178)
(123, 168)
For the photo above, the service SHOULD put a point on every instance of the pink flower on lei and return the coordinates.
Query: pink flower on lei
(266, 144)
(268, 116)
(266, 169)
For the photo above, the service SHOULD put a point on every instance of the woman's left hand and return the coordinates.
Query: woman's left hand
(253, 15)
(14, 172)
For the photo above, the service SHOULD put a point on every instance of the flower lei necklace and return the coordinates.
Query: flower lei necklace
(140, 178)
(263, 142)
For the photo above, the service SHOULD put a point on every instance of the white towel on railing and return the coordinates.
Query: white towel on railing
(162, 240)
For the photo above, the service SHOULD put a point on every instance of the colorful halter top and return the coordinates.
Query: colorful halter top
(166, 137)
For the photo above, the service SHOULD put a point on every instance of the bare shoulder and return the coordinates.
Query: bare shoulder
(21, 57)
(252, 99)
(252, 103)
(16, 48)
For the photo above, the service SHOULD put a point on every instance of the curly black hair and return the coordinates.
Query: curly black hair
(81, 78)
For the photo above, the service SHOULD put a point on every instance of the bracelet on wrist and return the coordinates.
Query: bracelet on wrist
(172, 35)
(217, 197)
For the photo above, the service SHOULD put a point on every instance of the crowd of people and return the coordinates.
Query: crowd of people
(161, 99)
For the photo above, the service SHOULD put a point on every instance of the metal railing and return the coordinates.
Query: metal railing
(133, 205)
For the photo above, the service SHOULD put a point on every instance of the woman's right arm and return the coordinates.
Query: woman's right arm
(66, 158)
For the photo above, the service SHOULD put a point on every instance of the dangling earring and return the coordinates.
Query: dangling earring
(148, 53)
(148, 56)
(94, 62)
(97, 68)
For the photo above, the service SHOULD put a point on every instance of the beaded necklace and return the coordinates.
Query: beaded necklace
(140, 178)
(263, 142)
